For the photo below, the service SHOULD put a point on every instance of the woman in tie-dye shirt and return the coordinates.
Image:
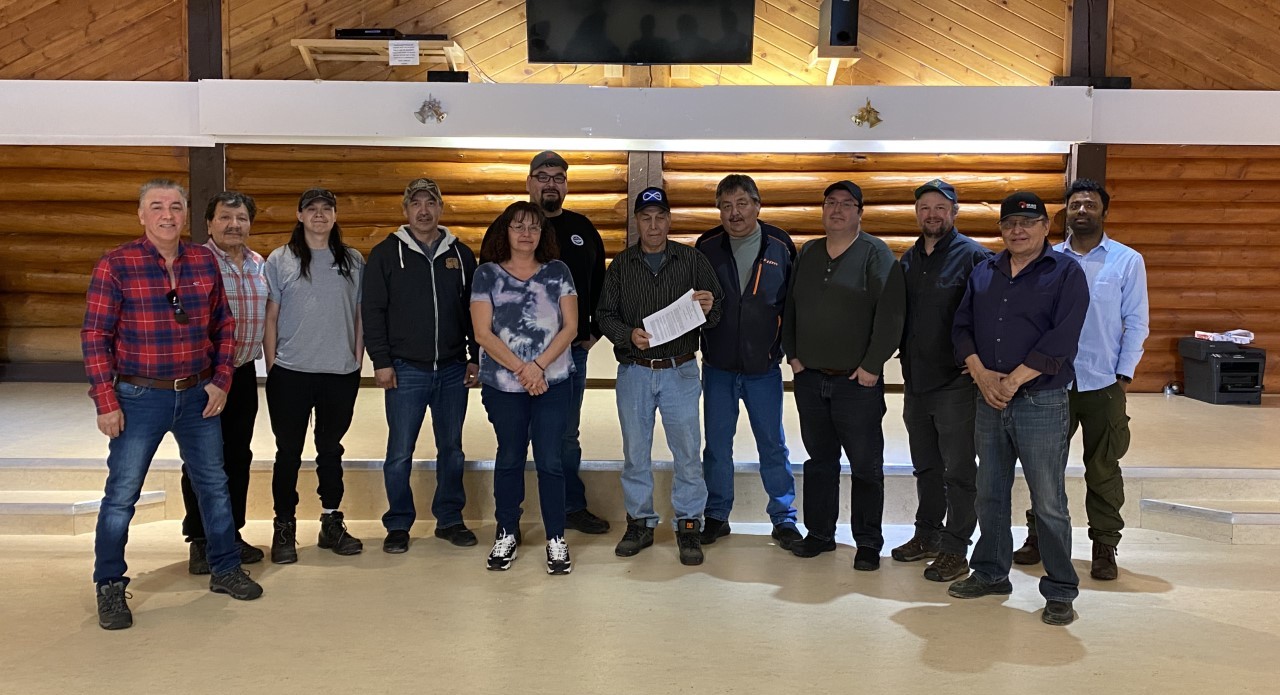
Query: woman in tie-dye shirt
(525, 311)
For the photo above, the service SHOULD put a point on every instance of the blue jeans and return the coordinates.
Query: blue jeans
(762, 394)
(518, 420)
(673, 393)
(575, 493)
(148, 415)
(417, 389)
(1032, 429)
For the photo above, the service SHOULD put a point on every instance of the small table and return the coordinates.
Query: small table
(372, 51)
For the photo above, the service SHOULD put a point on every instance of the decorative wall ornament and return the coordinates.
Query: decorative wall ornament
(867, 116)
(432, 110)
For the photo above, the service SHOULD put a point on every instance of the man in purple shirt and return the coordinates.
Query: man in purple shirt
(1017, 331)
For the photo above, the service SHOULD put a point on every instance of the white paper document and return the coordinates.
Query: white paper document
(673, 321)
(402, 53)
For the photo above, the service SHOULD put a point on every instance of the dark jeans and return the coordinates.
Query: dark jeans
(836, 413)
(943, 459)
(417, 389)
(291, 398)
(1102, 416)
(575, 492)
(237, 419)
(519, 419)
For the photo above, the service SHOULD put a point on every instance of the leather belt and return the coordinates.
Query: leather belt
(837, 372)
(662, 363)
(182, 384)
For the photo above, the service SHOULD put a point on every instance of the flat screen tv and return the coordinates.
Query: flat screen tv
(641, 32)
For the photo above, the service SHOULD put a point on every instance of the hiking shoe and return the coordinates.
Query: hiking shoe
(713, 529)
(786, 535)
(1029, 553)
(558, 561)
(918, 548)
(1104, 562)
(637, 537)
(284, 541)
(113, 607)
(812, 546)
(689, 540)
(197, 557)
(457, 534)
(977, 587)
(235, 584)
(396, 542)
(948, 567)
(334, 536)
(504, 551)
(1057, 613)
(248, 554)
(586, 522)
(866, 559)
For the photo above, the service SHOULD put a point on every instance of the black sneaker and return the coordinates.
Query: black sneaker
(689, 539)
(786, 535)
(637, 537)
(113, 607)
(812, 546)
(235, 584)
(197, 558)
(249, 555)
(1057, 613)
(866, 559)
(713, 529)
(284, 541)
(503, 553)
(586, 522)
(976, 587)
(918, 548)
(948, 567)
(457, 534)
(396, 542)
(334, 536)
(558, 561)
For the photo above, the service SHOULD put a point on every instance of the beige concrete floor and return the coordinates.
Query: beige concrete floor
(1186, 616)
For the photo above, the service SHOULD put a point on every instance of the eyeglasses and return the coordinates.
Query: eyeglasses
(842, 204)
(548, 178)
(521, 228)
(1019, 223)
(178, 314)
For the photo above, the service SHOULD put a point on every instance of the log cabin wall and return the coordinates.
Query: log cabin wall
(1196, 44)
(93, 40)
(61, 208)
(369, 181)
(1207, 221)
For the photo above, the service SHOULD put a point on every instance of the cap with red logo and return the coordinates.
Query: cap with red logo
(1023, 204)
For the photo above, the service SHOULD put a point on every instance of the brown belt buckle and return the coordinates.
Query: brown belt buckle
(177, 383)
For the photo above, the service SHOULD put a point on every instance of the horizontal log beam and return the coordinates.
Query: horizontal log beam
(877, 187)
(41, 309)
(1193, 169)
(922, 164)
(172, 160)
(604, 209)
(25, 185)
(40, 345)
(327, 153)
(292, 178)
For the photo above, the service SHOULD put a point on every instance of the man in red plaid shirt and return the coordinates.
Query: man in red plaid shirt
(158, 346)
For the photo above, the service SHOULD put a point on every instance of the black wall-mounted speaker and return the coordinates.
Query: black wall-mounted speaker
(844, 23)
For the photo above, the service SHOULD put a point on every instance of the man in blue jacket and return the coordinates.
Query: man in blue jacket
(741, 355)
(417, 328)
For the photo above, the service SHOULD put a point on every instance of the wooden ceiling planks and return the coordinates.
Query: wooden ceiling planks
(1196, 44)
(94, 40)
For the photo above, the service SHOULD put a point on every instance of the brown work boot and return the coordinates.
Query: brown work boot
(1104, 562)
(1029, 553)
(918, 548)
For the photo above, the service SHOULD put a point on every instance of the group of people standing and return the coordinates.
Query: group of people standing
(1003, 357)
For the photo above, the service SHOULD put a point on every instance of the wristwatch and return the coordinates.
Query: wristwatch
(1125, 379)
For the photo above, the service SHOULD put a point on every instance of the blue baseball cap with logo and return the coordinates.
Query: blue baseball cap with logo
(1023, 204)
(652, 196)
(939, 186)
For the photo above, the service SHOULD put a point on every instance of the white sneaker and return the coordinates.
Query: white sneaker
(558, 561)
(504, 551)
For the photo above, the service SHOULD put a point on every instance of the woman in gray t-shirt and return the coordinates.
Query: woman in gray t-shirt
(525, 311)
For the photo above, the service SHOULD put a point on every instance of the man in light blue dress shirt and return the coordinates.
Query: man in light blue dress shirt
(1110, 347)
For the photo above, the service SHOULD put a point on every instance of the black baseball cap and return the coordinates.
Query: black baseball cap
(312, 194)
(652, 196)
(1022, 204)
(947, 190)
(547, 159)
(849, 186)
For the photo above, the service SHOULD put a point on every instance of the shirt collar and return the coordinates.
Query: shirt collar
(942, 243)
(1105, 245)
(1005, 264)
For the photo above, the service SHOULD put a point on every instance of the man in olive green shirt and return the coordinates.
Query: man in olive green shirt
(843, 321)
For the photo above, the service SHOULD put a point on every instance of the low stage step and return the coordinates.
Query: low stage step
(1241, 522)
(65, 512)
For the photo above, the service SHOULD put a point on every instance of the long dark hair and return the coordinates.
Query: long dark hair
(496, 247)
(341, 252)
